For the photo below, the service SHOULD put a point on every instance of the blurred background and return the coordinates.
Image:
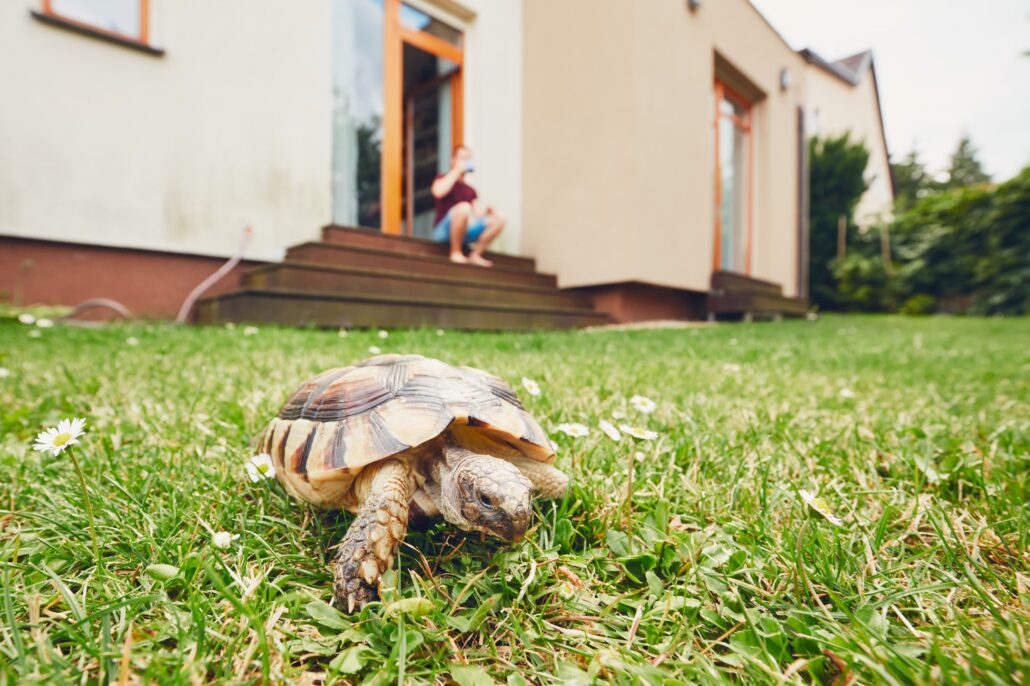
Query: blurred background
(669, 159)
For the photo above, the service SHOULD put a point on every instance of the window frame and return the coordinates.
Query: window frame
(746, 125)
(48, 14)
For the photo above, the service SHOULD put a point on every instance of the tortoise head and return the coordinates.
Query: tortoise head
(490, 495)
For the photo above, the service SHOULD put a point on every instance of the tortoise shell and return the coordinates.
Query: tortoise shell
(343, 419)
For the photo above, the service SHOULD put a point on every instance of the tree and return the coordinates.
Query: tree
(965, 169)
(836, 183)
(911, 180)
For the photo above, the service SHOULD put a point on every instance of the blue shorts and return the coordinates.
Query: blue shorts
(442, 231)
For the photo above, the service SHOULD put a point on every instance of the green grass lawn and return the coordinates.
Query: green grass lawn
(691, 557)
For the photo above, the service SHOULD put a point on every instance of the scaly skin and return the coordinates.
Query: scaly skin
(372, 539)
(548, 482)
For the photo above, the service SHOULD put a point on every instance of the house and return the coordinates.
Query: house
(649, 157)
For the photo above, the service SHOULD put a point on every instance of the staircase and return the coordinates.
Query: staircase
(365, 278)
(735, 295)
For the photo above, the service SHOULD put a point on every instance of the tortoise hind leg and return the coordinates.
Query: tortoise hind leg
(372, 539)
(548, 482)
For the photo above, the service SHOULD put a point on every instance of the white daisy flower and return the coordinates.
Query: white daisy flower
(637, 432)
(812, 316)
(575, 430)
(26, 318)
(375, 349)
(55, 439)
(618, 414)
(230, 325)
(35, 333)
(846, 393)
(44, 323)
(250, 331)
(343, 333)
(609, 429)
(223, 539)
(731, 368)
(532, 387)
(819, 506)
(383, 333)
(643, 404)
(439, 332)
(733, 341)
(260, 467)
(132, 340)
(4, 372)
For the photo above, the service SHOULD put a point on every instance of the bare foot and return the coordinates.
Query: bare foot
(480, 260)
(459, 258)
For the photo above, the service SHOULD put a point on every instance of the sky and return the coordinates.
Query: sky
(944, 68)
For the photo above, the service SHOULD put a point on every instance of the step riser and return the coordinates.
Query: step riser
(365, 285)
(731, 284)
(271, 309)
(366, 239)
(740, 303)
(343, 257)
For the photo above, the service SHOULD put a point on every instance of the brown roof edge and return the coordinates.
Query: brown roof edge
(833, 68)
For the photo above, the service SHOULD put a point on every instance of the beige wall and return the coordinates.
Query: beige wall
(836, 107)
(103, 144)
(618, 142)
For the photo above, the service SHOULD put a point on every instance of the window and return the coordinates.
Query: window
(123, 19)
(733, 181)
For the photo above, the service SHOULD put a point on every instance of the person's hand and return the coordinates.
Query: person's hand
(458, 167)
(489, 209)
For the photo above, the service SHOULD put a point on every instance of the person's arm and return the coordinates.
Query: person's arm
(443, 185)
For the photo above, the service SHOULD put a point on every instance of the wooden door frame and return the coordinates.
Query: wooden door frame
(394, 38)
(745, 124)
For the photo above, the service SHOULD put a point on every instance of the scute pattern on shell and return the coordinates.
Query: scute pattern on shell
(344, 419)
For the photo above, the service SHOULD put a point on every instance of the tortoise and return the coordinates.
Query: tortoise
(405, 436)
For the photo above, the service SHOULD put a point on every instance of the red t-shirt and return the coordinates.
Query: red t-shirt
(460, 192)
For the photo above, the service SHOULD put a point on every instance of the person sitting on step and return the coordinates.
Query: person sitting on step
(461, 219)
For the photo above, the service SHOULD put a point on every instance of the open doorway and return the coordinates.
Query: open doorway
(429, 133)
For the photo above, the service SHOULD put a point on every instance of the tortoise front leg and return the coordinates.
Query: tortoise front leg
(548, 482)
(372, 539)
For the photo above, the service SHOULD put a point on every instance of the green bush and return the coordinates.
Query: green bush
(836, 183)
(968, 245)
(918, 304)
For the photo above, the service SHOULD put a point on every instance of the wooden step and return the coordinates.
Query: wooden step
(370, 238)
(731, 282)
(755, 304)
(305, 308)
(426, 265)
(359, 281)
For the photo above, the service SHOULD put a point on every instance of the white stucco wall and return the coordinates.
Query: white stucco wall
(105, 145)
(835, 107)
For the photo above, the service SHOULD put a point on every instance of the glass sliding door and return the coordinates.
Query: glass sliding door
(733, 182)
(358, 107)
